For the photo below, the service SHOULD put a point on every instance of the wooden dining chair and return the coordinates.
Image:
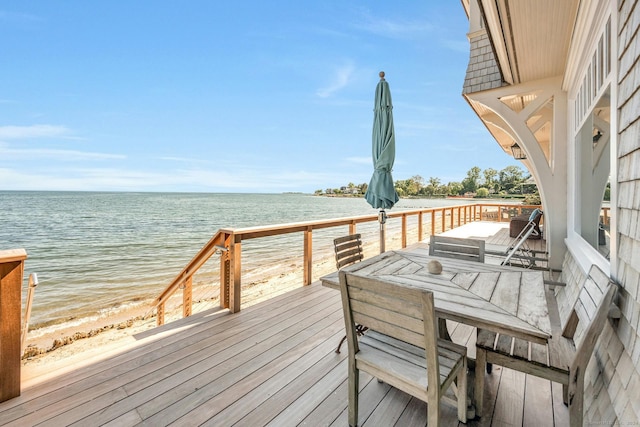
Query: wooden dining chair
(458, 248)
(455, 247)
(348, 250)
(402, 347)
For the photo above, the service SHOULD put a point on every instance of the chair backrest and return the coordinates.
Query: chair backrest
(534, 220)
(535, 216)
(404, 313)
(454, 247)
(348, 250)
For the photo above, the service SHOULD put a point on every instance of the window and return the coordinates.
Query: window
(593, 156)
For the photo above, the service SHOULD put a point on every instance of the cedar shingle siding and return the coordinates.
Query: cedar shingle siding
(482, 72)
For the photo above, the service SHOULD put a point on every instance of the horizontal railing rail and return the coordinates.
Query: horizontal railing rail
(228, 243)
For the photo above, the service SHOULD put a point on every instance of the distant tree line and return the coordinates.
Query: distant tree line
(478, 183)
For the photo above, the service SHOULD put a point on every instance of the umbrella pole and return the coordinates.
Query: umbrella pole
(382, 218)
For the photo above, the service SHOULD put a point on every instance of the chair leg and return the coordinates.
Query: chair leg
(354, 379)
(576, 398)
(433, 414)
(462, 392)
(443, 331)
(478, 393)
(575, 410)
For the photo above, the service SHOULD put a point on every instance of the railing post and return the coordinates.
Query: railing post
(11, 272)
(420, 226)
(33, 282)
(444, 221)
(433, 222)
(451, 227)
(225, 273)
(236, 273)
(404, 230)
(160, 314)
(187, 292)
(308, 255)
(352, 228)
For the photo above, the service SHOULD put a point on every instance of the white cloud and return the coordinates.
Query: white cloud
(341, 78)
(252, 179)
(184, 160)
(115, 179)
(395, 29)
(33, 131)
(48, 153)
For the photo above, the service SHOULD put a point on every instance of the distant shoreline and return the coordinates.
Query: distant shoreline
(496, 199)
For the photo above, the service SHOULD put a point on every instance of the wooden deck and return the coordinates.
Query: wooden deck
(496, 237)
(270, 364)
(495, 234)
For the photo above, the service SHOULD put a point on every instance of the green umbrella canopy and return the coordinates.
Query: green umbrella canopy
(381, 194)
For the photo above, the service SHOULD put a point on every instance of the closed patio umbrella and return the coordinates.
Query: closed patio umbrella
(381, 194)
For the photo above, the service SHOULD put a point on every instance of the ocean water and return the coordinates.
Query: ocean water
(97, 251)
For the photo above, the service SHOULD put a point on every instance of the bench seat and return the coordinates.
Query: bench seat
(549, 361)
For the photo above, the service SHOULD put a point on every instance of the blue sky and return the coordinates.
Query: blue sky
(245, 96)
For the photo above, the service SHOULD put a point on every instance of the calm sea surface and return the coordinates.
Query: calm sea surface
(94, 252)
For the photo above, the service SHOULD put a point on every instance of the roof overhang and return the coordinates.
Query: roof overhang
(531, 39)
(530, 42)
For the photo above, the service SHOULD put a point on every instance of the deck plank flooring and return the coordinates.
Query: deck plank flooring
(273, 363)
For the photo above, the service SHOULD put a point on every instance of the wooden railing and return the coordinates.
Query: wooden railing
(228, 243)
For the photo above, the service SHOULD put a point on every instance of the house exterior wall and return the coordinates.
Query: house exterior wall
(482, 72)
(612, 384)
(624, 383)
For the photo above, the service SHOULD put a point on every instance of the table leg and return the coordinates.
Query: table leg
(443, 332)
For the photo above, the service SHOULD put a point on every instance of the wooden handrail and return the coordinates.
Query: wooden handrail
(228, 241)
